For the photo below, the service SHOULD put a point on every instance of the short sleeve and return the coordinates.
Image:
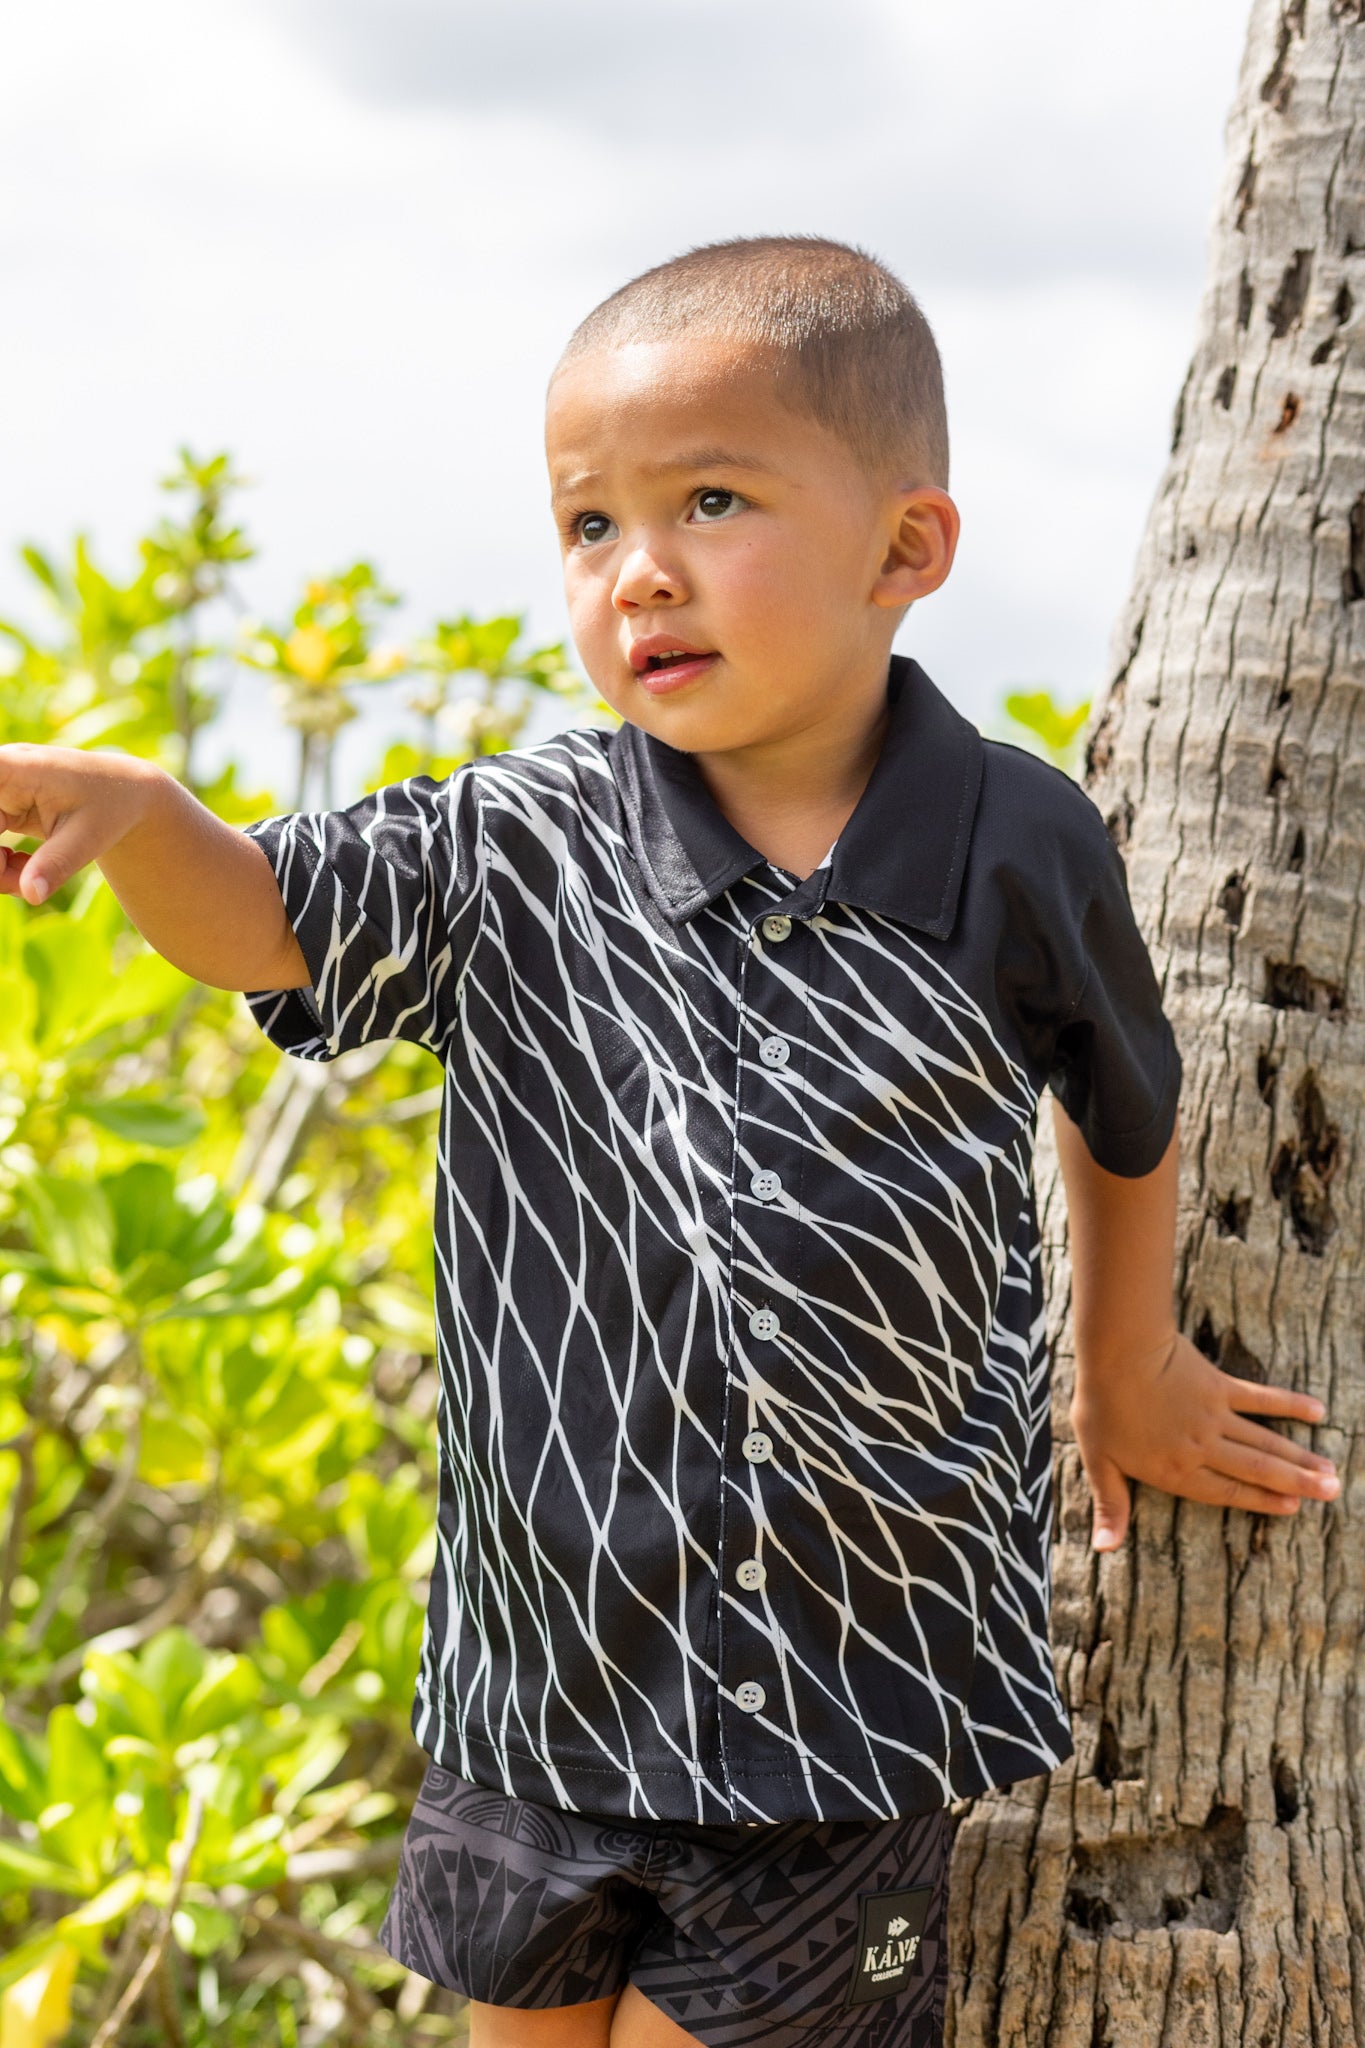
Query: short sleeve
(383, 896)
(1116, 1068)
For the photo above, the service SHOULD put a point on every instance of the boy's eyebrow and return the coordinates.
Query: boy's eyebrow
(694, 458)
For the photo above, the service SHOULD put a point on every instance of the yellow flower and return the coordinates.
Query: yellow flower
(311, 652)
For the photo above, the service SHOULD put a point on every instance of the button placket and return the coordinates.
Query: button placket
(760, 1066)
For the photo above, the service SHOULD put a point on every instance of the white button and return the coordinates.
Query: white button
(764, 1323)
(777, 929)
(774, 1052)
(750, 1697)
(750, 1574)
(766, 1185)
(757, 1447)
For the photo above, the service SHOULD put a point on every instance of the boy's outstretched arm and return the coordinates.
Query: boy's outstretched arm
(1148, 1405)
(199, 891)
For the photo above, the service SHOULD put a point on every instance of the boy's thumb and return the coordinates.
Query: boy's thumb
(1113, 1504)
(63, 854)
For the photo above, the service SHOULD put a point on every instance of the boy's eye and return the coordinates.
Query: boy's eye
(716, 504)
(593, 526)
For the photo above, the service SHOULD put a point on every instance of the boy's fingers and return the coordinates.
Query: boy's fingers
(1221, 1490)
(1113, 1503)
(1255, 1436)
(1253, 1397)
(1278, 1474)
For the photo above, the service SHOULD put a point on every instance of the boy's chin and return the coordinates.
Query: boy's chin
(690, 724)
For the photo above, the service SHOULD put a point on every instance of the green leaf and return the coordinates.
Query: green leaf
(147, 985)
(173, 1451)
(113, 1682)
(206, 1930)
(22, 1870)
(1037, 713)
(76, 1769)
(222, 1696)
(174, 1667)
(70, 1221)
(144, 1122)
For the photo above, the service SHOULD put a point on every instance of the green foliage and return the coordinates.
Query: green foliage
(1054, 733)
(217, 1383)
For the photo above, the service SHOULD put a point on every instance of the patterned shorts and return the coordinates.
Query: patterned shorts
(792, 1934)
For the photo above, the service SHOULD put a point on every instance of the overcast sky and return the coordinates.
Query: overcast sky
(347, 239)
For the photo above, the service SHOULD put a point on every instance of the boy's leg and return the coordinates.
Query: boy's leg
(629, 2020)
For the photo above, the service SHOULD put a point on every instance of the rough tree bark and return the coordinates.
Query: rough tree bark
(1197, 1875)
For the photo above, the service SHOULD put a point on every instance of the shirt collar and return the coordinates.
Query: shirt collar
(900, 855)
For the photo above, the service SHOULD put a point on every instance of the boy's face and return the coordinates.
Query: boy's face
(699, 516)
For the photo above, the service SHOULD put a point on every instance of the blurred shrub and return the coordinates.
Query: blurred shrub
(217, 1467)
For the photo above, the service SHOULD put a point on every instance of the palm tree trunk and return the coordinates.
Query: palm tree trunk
(1197, 1874)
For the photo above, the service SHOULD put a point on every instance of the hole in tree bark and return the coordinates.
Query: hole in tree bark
(1286, 308)
(1191, 553)
(1266, 1071)
(1089, 1910)
(1234, 1357)
(1296, 853)
(1286, 1783)
(1343, 305)
(1227, 1351)
(1112, 1761)
(1246, 298)
(1186, 1876)
(1275, 777)
(1353, 576)
(1232, 1214)
(1099, 751)
(1304, 1168)
(1232, 899)
(1289, 412)
(1226, 385)
(1119, 823)
(1291, 987)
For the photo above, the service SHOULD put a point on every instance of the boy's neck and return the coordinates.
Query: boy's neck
(791, 797)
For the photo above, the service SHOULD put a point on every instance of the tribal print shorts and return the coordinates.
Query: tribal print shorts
(791, 1934)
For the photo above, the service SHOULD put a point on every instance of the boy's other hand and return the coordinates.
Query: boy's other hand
(1171, 1418)
(78, 803)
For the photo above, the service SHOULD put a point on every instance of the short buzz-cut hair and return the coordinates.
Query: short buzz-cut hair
(846, 340)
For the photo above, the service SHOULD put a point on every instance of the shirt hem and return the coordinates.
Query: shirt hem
(683, 1791)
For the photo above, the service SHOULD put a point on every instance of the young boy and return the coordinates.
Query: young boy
(745, 1011)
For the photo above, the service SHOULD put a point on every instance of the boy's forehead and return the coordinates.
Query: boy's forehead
(649, 402)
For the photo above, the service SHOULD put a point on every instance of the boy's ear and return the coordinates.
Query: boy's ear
(924, 528)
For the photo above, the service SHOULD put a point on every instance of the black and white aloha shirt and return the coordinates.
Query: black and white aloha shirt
(745, 1504)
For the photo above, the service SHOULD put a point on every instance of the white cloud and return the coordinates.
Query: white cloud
(233, 225)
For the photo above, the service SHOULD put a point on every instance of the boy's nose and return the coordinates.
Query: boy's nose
(645, 580)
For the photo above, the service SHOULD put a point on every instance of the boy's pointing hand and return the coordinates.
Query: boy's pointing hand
(78, 803)
(1171, 1418)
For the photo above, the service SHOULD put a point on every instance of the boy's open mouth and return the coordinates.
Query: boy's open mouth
(663, 664)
